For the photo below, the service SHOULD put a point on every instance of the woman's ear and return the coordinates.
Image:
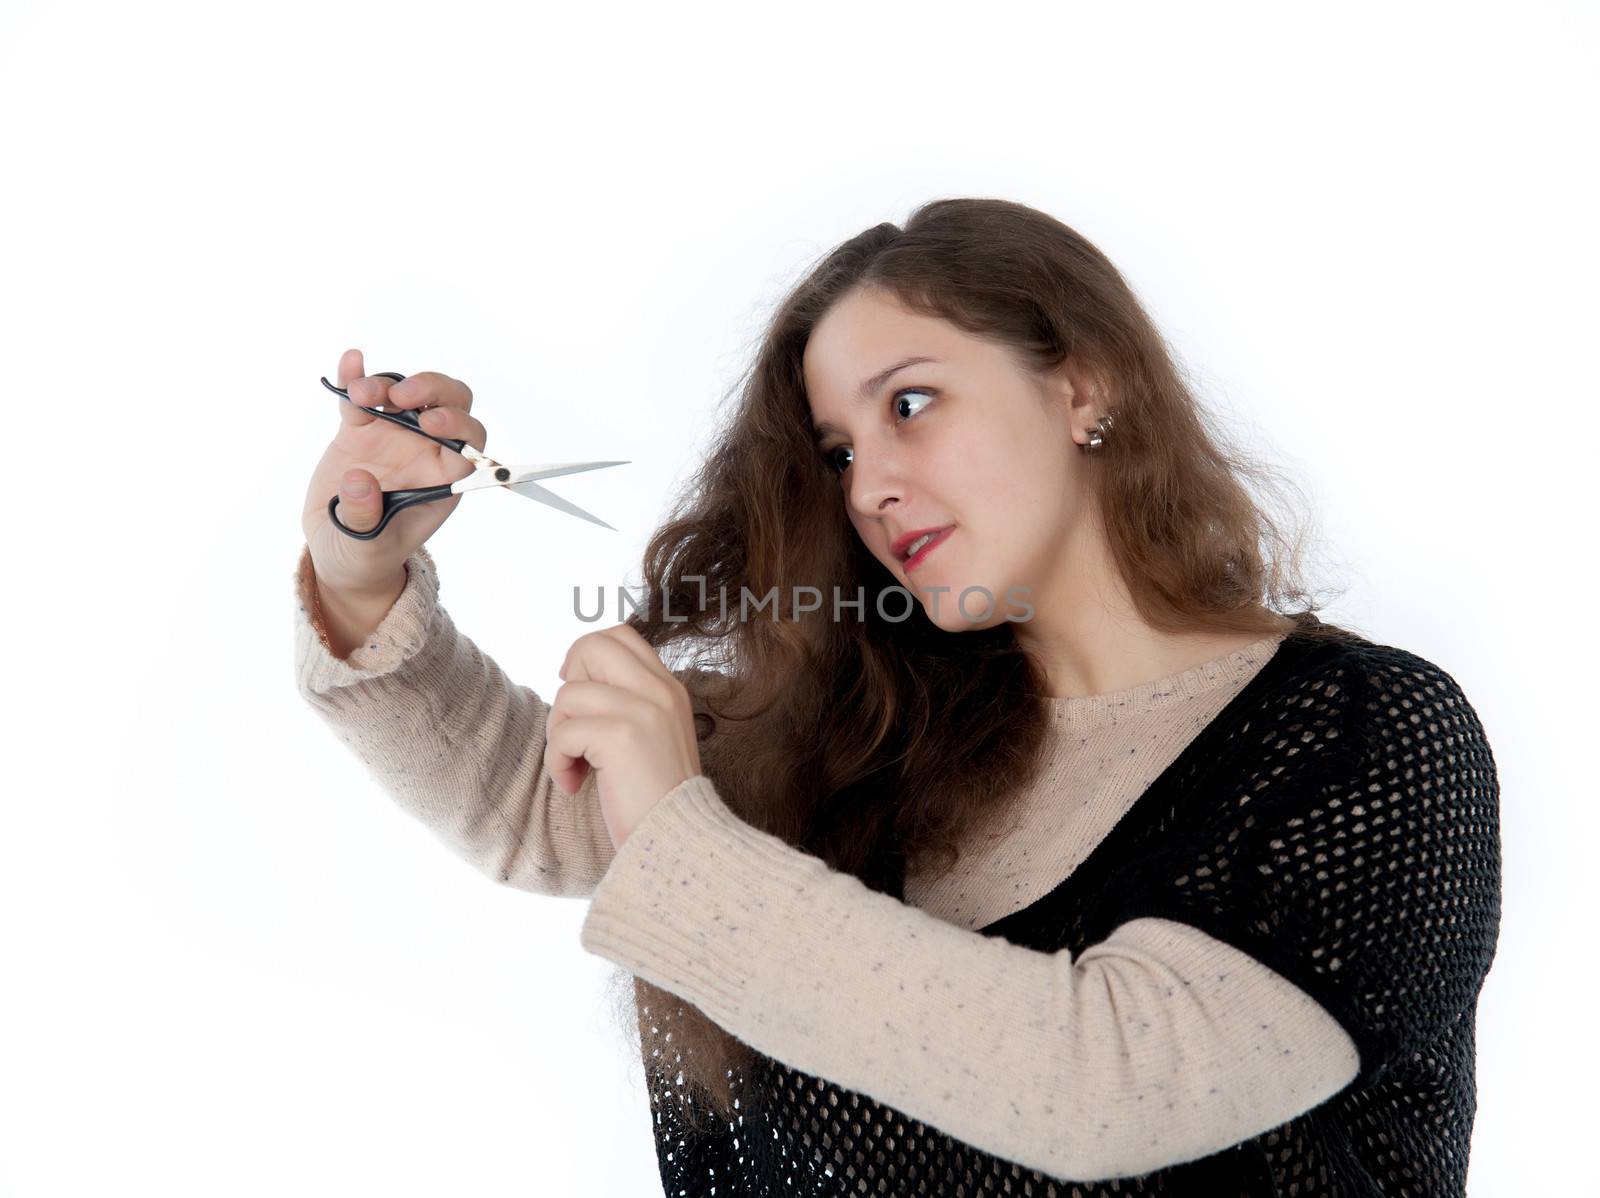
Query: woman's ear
(1076, 391)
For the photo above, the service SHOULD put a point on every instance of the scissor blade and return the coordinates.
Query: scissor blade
(523, 474)
(534, 491)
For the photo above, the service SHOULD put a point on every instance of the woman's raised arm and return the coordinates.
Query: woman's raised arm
(452, 739)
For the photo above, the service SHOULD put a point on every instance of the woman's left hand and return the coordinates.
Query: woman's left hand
(624, 714)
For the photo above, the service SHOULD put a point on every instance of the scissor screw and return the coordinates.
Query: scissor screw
(502, 474)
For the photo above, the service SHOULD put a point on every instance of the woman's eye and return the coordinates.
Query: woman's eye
(831, 457)
(910, 391)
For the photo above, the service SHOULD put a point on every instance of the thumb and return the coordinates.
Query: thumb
(360, 500)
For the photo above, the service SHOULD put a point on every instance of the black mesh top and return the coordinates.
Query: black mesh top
(1339, 821)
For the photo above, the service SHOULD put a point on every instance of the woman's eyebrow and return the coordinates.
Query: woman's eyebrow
(882, 377)
(868, 388)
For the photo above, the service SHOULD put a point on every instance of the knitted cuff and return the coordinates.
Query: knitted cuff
(399, 637)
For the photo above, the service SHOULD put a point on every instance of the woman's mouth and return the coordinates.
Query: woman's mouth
(921, 548)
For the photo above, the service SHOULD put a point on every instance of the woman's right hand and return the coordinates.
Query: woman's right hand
(384, 457)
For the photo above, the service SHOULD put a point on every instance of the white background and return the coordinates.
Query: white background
(230, 964)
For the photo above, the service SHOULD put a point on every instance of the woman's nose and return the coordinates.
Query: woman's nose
(875, 480)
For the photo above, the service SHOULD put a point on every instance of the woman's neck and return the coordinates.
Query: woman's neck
(1091, 639)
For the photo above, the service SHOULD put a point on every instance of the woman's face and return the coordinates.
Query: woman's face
(963, 442)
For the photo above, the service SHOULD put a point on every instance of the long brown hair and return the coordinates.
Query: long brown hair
(873, 743)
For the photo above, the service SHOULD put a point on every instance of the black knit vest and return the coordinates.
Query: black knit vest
(1338, 821)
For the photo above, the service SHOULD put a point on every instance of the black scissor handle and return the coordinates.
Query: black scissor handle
(407, 417)
(393, 501)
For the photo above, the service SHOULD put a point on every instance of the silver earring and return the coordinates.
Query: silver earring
(1097, 438)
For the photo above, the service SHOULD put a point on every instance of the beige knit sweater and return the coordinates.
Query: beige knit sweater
(1173, 1044)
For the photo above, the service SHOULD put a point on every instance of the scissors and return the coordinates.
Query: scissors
(489, 473)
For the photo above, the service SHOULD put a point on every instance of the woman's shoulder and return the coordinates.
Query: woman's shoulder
(1320, 650)
(1374, 691)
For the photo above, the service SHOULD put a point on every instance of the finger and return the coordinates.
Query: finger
(570, 779)
(351, 367)
(591, 698)
(365, 391)
(567, 771)
(360, 500)
(454, 422)
(429, 388)
(574, 746)
(628, 637)
(597, 657)
(372, 389)
(554, 763)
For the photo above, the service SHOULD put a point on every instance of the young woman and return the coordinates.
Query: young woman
(1034, 837)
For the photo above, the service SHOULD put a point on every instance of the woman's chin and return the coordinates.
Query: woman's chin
(954, 611)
